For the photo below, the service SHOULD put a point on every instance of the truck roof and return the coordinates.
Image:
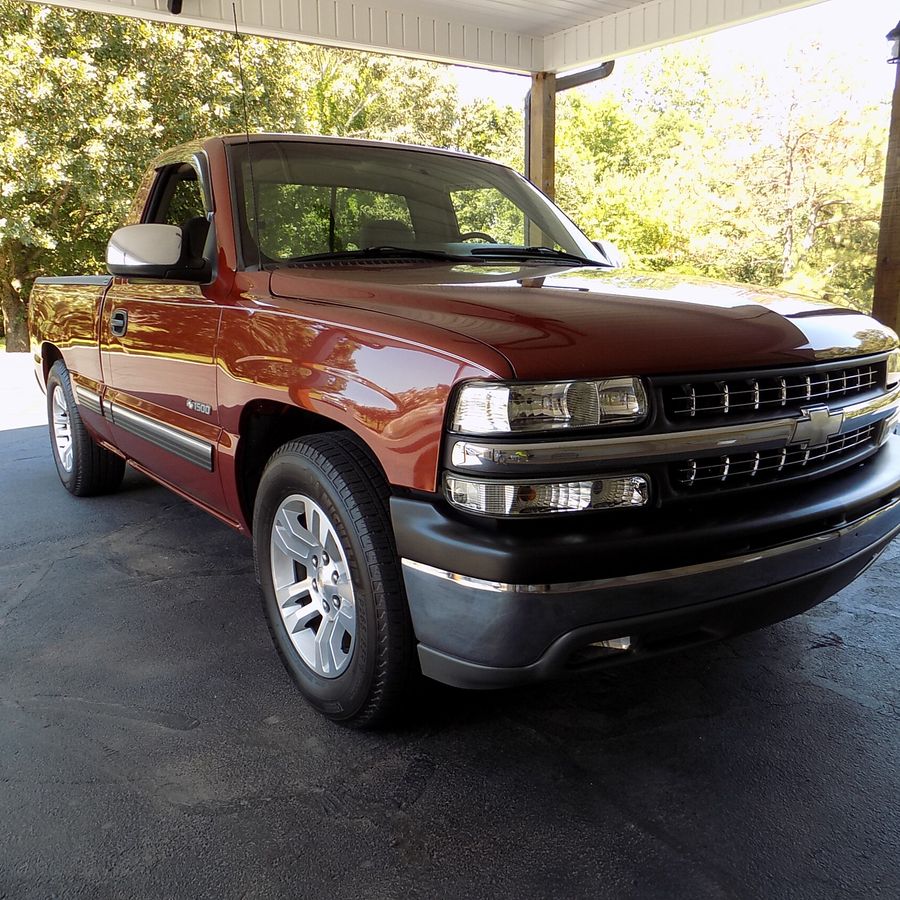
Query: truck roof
(183, 151)
(329, 139)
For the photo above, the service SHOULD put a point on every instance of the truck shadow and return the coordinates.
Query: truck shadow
(697, 683)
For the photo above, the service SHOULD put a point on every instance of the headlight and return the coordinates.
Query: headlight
(540, 498)
(893, 369)
(488, 407)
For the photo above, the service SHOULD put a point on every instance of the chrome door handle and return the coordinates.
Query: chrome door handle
(118, 322)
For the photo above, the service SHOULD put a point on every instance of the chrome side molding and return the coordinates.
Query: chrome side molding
(194, 450)
(88, 399)
(174, 440)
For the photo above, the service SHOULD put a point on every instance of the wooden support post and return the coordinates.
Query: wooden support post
(542, 142)
(886, 305)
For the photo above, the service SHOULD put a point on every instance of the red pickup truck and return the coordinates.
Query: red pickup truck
(463, 441)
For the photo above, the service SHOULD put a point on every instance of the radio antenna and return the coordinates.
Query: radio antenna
(240, 62)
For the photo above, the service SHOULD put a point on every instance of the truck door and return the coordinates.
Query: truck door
(158, 343)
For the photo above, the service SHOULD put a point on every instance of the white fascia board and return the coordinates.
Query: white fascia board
(411, 30)
(652, 24)
(342, 23)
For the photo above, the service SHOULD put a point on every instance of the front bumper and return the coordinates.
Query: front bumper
(490, 609)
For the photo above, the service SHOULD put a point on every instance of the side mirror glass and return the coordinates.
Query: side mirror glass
(612, 253)
(154, 251)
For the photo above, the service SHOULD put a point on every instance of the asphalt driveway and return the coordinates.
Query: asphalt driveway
(152, 746)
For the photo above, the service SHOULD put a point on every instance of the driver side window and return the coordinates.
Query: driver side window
(179, 199)
(178, 196)
(186, 202)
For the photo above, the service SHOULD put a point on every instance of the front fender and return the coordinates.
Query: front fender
(388, 385)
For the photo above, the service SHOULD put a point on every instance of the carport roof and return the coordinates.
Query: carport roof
(508, 35)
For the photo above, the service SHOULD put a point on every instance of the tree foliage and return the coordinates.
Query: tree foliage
(86, 102)
(773, 179)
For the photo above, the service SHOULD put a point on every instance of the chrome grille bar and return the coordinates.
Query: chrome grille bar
(734, 395)
(770, 464)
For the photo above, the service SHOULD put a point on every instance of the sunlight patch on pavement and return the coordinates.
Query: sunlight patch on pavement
(22, 403)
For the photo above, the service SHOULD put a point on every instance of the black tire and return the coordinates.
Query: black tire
(94, 469)
(336, 471)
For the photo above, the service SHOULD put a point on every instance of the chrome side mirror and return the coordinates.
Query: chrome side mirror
(611, 252)
(154, 251)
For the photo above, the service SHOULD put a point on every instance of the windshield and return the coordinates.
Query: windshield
(318, 200)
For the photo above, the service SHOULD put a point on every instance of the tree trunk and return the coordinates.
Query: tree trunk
(15, 322)
(886, 305)
(787, 247)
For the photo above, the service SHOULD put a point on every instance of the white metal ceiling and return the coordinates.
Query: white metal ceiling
(510, 35)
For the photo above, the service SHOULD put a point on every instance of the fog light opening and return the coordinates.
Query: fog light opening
(599, 652)
(619, 644)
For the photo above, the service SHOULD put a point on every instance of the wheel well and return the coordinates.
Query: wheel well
(266, 425)
(49, 355)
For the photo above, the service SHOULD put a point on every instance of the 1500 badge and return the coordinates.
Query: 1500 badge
(199, 407)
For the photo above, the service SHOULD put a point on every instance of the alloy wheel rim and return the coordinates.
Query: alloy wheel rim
(313, 587)
(62, 429)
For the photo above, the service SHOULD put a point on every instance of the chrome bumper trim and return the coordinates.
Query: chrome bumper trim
(860, 414)
(570, 587)
(195, 451)
(764, 435)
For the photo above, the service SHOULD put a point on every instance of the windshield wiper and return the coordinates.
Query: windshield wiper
(543, 253)
(381, 252)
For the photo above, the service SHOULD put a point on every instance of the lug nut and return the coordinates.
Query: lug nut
(315, 560)
(324, 559)
(336, 600)
(335, 577)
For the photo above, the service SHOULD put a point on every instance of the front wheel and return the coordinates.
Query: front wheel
(85, 468)
(330, 578)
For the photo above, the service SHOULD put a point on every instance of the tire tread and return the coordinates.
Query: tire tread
(347, 463)
(96, 470)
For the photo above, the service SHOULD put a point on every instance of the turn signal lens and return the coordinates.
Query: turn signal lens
(541, 498)
(893, 369)
(484, 407)
(891, 426)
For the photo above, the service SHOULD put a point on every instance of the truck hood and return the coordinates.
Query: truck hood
(563, 323)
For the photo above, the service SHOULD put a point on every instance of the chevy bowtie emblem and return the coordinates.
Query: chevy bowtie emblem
(816, 425)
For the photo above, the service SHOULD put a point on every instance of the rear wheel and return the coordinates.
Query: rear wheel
(330, 578)
(85, 468)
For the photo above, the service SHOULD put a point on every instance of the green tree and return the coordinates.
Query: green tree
(773, 177)
(485, 128)
(354, 94)
(86, 101)
(809, 189)
(757, 180)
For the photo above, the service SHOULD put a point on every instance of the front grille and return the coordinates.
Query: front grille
(764, 466)
(790, 390)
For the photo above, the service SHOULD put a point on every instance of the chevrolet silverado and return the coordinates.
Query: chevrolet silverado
(464, 442)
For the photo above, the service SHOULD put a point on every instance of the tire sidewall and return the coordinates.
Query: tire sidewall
(294, 473)
(58, 380)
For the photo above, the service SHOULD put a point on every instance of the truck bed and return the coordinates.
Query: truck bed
(65, 312)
